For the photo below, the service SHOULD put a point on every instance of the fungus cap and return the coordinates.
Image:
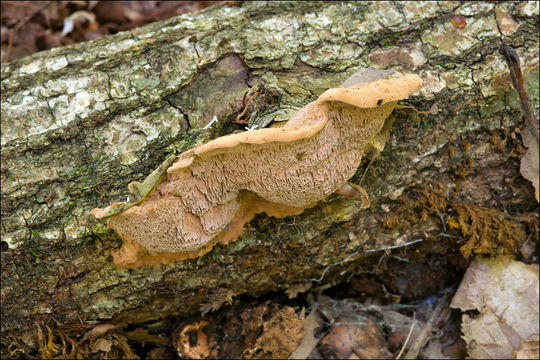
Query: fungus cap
(211, 191)
(362, 95)
(373, 94)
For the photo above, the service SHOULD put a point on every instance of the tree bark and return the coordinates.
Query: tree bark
(81, 122)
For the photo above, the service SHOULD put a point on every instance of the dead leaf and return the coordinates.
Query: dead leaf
(400, 325)
(252, 320)
(529, 349)
(160, 353)
(458, 350)
(97, 332)
(529, 167)
(298, 288)
(121, 342)
(433, 350)
(282, 333)
(102, 345)
(69, 22)
(505, 292)
(309, 341)
(529, 133)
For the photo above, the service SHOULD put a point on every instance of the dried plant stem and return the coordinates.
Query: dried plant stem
(519, 84)
(421, 340)
(413, 324)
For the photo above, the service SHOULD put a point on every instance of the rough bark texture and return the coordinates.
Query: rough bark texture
(79, 123)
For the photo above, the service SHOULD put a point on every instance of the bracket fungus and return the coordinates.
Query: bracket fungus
(206, 195)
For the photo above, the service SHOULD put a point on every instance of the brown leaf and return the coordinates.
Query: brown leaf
(282, 333)
(97, 332)
(529, 349)
(160, 353)
(529, 162)
(102, 345)
(308, 343)
(14, 12)
(505, 293)
(127, 352)
(298, 288)
(400, 326)
(529, 133)
(252, 321)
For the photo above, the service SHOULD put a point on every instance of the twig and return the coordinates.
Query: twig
(247, 104)
(357, 252)
(395, 246)
(422, 338)
(367, 168)
(519, 84)
(334, 264)
(408, 337)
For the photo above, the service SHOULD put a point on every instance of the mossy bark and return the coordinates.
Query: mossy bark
(79, 123)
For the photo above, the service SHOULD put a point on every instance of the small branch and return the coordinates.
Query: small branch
(408, 337)
(335, 264)
(348, 258)
(423, 338)
(247, 104)
(395, 246)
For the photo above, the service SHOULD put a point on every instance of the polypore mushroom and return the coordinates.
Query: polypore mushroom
(208, 193)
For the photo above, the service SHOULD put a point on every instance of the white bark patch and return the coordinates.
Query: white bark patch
(475, 8)
(417, 10)
(529, 9)
(31, 68)
(82, 102)
(31, 125)
(57, 63)
(114, 47)
(427, 153)
(62, 110)
(388, 15)
(417, 56)
(14, 239)
(433, 84)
